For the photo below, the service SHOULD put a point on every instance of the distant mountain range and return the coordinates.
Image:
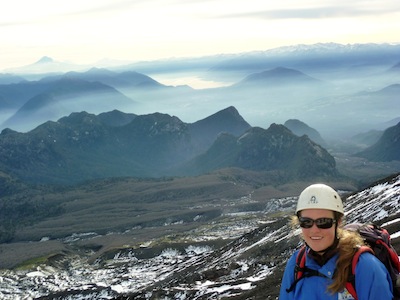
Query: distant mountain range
(342, 90)
(315, 57)
(52, 97)
(294, 56)
(85, 146)
(63, 97)
(117, 80)
(44, 65)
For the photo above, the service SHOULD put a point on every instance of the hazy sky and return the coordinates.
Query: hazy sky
(86, 31)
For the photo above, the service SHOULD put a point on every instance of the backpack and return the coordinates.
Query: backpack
(379, 244)
(378, 240)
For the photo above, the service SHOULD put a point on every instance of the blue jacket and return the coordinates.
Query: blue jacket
(372, 280)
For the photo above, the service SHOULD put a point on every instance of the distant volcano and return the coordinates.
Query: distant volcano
(45, 60)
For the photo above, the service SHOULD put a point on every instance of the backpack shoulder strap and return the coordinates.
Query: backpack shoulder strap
(299, 267)
(393, 256)
(300, 262)
(350, 285)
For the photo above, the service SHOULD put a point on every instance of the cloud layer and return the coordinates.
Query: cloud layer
(83, 31)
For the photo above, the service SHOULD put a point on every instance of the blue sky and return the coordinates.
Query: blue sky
(87, 31)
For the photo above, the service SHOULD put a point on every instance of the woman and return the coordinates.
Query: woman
(329, 252)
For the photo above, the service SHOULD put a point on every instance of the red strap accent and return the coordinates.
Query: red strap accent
(384, 230)
(349, 286)
(301, 261)
(356, 256)
(393, 255)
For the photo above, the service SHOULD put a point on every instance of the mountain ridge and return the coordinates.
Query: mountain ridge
(275, 148)
(312, 56)
(63, 97)
(386, 148)
(300, 128)
(205, 130)
(279, 76)
(150, 145)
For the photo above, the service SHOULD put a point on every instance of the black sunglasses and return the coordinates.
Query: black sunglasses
(322, 223)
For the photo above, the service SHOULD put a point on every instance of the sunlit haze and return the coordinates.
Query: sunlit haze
(84, 32)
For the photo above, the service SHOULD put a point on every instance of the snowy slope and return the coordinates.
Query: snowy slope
(249, 266)
(375, 203)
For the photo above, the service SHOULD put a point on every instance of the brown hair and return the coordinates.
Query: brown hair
(348, 243)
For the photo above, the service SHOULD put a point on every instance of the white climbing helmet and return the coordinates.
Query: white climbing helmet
(319, 196)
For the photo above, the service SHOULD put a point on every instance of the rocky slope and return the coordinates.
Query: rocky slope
(250, 266)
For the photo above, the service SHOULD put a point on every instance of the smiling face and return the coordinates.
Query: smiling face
(316, 238)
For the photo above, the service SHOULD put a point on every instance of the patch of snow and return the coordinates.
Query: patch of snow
(395, 235)
(264, 272)
(36, 274)
(391, 222)
(223, 288)
(197, 249)
(118, 288)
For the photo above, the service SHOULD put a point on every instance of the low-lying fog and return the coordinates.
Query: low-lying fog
(340, 94)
